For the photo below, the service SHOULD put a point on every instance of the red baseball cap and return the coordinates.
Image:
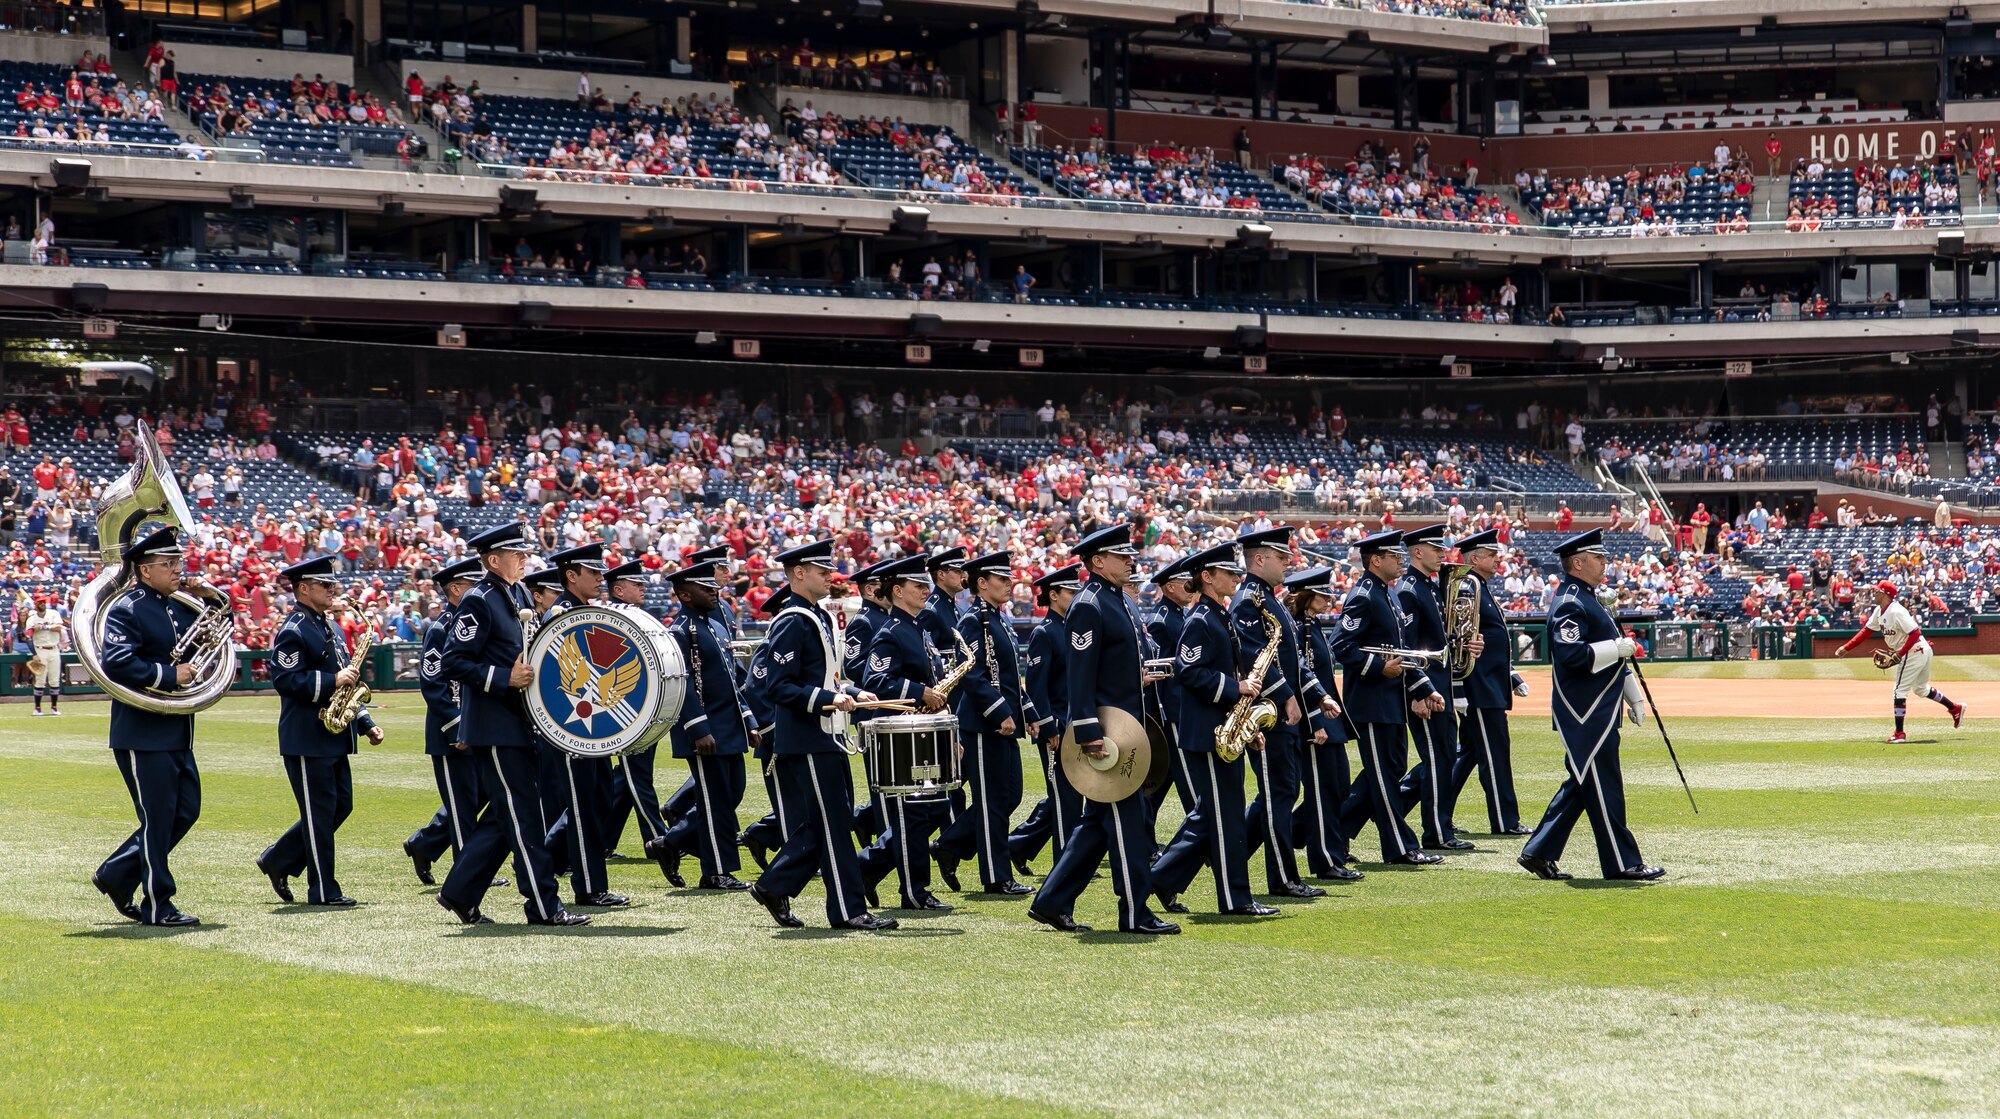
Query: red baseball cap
(1886, 587)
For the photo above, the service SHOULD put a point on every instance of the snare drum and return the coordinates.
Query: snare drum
(915, 756)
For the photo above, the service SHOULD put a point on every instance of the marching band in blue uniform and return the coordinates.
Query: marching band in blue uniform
(1484, 743)
(992, 712)
(309, 662)
(1591, 687)
(154, 750)
(1084, 678)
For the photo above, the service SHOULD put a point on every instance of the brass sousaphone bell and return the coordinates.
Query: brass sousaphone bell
(1127, 760)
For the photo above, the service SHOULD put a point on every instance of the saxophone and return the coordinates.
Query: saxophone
(950, 679)
(1461, 617)
(346, 704)
(1251, 715)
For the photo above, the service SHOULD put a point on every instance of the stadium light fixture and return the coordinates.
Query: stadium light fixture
(910, 219)
(242, 200)
(70, 174)
(1950, 242)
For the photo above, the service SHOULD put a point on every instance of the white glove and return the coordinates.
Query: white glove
(1604, 654)
(1461, 705)
(1635, 698)
(1627, 648)
(1520, 685)
(1637, 709)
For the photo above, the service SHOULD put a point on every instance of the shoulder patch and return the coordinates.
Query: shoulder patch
(1570, 632)
(287, 661)
(880, 664)
(784, 658)
(1190, 654)
(853, 647)
(467, 627)
(760, 670)
(1350, 622)
(1081, 641)
(433, 663)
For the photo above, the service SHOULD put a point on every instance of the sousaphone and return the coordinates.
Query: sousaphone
(1125, 766)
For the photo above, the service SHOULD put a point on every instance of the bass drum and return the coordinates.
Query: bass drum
(609, 680)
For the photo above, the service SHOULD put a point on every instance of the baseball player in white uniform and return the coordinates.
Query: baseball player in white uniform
(45, 634)
(1908, 654)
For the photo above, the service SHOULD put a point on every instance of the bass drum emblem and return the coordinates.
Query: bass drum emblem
(609, 680)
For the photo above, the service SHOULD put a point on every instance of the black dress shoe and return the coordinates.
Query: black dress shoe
(1251, 909)
(175, 921)
(341, 901)
(1340, 874)
(1642, 872)
(124, 905)
(1543, 868)
(603, 899)
(279, 885)
(1517, 829)
(1169, 902)
(422, 864)
(947, 864)
(1155, 927)
(723, 882)
(1299, 890)
(498, 883)
(1452, 844)
(1418, 858)
(1009, 888)
(1021, 866)
(669, 858)
(1061, 922)
(759, 854)
(868, 922)
(465, 916)
(563, 918)
(779, 908)
(928, 902)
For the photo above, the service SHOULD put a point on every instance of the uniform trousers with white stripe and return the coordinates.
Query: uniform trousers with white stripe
(904, 845)
(1484, 744)
(768, 832)
(165, 787)
(708, 831)
(1428, 786)
(510, 821)
(1269, 819)
(1600, 795)
(993, 773)
(324, 790)
(1183, 786)
(1052, 817)
(813, 806)
(461, 798)
(1374, 795)
(1119, 829)
(578, 828)
(1211, 836)
(630, 791)
(1323, 778)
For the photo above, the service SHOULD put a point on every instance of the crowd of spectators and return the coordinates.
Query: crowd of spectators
(1651, 202)
(1905, 196)
(1510, 12)
(241, 104)
(1158, 174)
(1377, 183)
(80, 109)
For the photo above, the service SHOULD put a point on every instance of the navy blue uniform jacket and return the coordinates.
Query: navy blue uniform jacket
(140, 630)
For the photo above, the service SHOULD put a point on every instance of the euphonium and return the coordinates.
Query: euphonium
(148, 491)
(1250, 715)
(345, 704)
(1461, 617)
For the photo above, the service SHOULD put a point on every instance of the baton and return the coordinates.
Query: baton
(1664, 737)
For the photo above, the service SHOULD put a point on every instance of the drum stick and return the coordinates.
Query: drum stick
(887, 705)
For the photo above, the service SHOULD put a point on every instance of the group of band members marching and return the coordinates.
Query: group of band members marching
(505, 790)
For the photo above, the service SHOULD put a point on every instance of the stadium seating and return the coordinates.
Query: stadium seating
(1231, 180)
(127, 137)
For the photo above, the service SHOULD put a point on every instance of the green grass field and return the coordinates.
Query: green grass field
(1827, 943)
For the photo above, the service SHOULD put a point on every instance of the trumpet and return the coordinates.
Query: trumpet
(1417, 656)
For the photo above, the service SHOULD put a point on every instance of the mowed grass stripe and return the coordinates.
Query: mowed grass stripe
(122, 1021)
